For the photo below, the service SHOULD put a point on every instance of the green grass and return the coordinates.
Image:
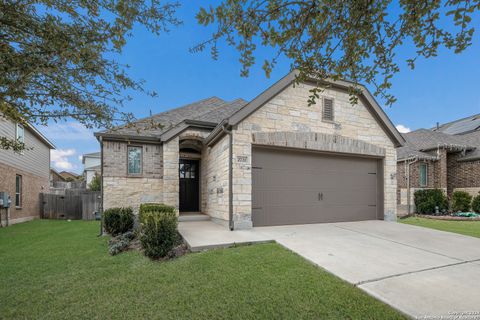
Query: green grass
(61, 270)
(468, 228)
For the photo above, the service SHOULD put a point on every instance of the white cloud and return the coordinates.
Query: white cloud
(401, 128)
(60, 158)
(71, 131)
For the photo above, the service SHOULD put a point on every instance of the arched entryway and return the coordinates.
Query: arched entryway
(189, 175)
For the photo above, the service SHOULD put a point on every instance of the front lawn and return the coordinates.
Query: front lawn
(468, 228)
(61, 270)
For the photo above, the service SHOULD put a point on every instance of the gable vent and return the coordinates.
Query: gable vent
(327, 110)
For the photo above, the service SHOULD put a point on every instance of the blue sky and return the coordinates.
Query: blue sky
(439, 89)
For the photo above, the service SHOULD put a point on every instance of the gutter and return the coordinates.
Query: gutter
(228, 130)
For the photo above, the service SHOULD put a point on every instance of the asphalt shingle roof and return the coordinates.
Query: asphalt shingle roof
(212, 110)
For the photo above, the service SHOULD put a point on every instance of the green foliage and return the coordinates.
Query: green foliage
(158, 234)
(59, 58)
(154, 207)
(426, 201)
(95, 184)
(461, 201)
(354, 40)
(118, 220)
(476, 204)
(120, 243)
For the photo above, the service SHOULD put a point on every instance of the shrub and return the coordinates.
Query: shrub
(95, 184)
(158, 233)
(120, 243)
(118, 220)
(461, 201)
(426, 200)
(154, 207)
(476, 204)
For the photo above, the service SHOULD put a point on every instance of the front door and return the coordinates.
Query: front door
(189, 185)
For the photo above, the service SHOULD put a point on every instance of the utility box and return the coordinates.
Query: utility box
(4, 200)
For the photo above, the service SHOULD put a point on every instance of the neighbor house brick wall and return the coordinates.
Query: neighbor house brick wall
(289, 112)
(462, 174)
(32, 186)
(121, 189)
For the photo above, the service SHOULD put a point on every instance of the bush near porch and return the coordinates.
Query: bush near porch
(59, 270)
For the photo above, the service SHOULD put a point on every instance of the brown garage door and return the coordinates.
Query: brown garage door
(294, 187)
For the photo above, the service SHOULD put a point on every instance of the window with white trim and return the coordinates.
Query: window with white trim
(423, 174)
(20, 133)
(18, 191)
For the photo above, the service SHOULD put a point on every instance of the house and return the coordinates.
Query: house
(91, 166)
(24, 175)
(55, 177)
(446, 157)
(271, 161)
(70, 176)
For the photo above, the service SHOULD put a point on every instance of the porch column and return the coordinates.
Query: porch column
(170, 173)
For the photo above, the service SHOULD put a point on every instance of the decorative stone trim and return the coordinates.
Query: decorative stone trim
(318, 141)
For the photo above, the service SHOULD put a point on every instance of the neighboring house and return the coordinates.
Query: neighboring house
(55, 177)
(24, 175)
(70, 176)
(446, 157)
(271, 161)
(91, 166)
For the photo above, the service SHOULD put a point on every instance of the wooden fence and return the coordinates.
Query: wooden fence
(71, 205)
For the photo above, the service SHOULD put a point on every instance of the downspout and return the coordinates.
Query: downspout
(230, 176)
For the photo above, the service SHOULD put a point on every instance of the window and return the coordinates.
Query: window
(20, 133)
(18, 191)
(187, 170)
(423, 174)
(134, 160)
(327, 114)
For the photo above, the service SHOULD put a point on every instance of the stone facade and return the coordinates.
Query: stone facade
(121, 189)
(32, 186)
(285, 120)
(289, 112)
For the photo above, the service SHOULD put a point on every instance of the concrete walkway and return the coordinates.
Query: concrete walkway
(419, 271)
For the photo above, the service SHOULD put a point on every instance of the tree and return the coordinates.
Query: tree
(95, 184)
(57, 58)
(353, 40)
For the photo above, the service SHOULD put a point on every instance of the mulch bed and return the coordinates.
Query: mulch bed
(447, 217)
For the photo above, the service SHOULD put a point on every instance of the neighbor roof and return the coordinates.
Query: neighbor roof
(422, 140)
(461, 126)
(159, 127)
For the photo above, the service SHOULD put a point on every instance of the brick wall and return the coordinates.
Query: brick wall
(32, 186)
(462, 174)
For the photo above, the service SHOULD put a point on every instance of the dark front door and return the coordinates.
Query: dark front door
(189, 185)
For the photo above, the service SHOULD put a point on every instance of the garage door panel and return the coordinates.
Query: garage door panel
(291, 187)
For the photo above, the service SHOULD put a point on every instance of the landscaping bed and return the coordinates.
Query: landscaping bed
(448, 217)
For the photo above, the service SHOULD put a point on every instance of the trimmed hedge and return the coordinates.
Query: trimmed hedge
(118, 220)
(158, 234)
(476, 204)
(461, 201)
(426, 200)
(154, 207)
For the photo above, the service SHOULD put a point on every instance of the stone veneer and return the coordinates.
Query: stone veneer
(121, 189)
(289, 112)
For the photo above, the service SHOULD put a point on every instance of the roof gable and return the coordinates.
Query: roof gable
(275, 89)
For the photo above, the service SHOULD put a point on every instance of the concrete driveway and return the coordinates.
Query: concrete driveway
(419, 271)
